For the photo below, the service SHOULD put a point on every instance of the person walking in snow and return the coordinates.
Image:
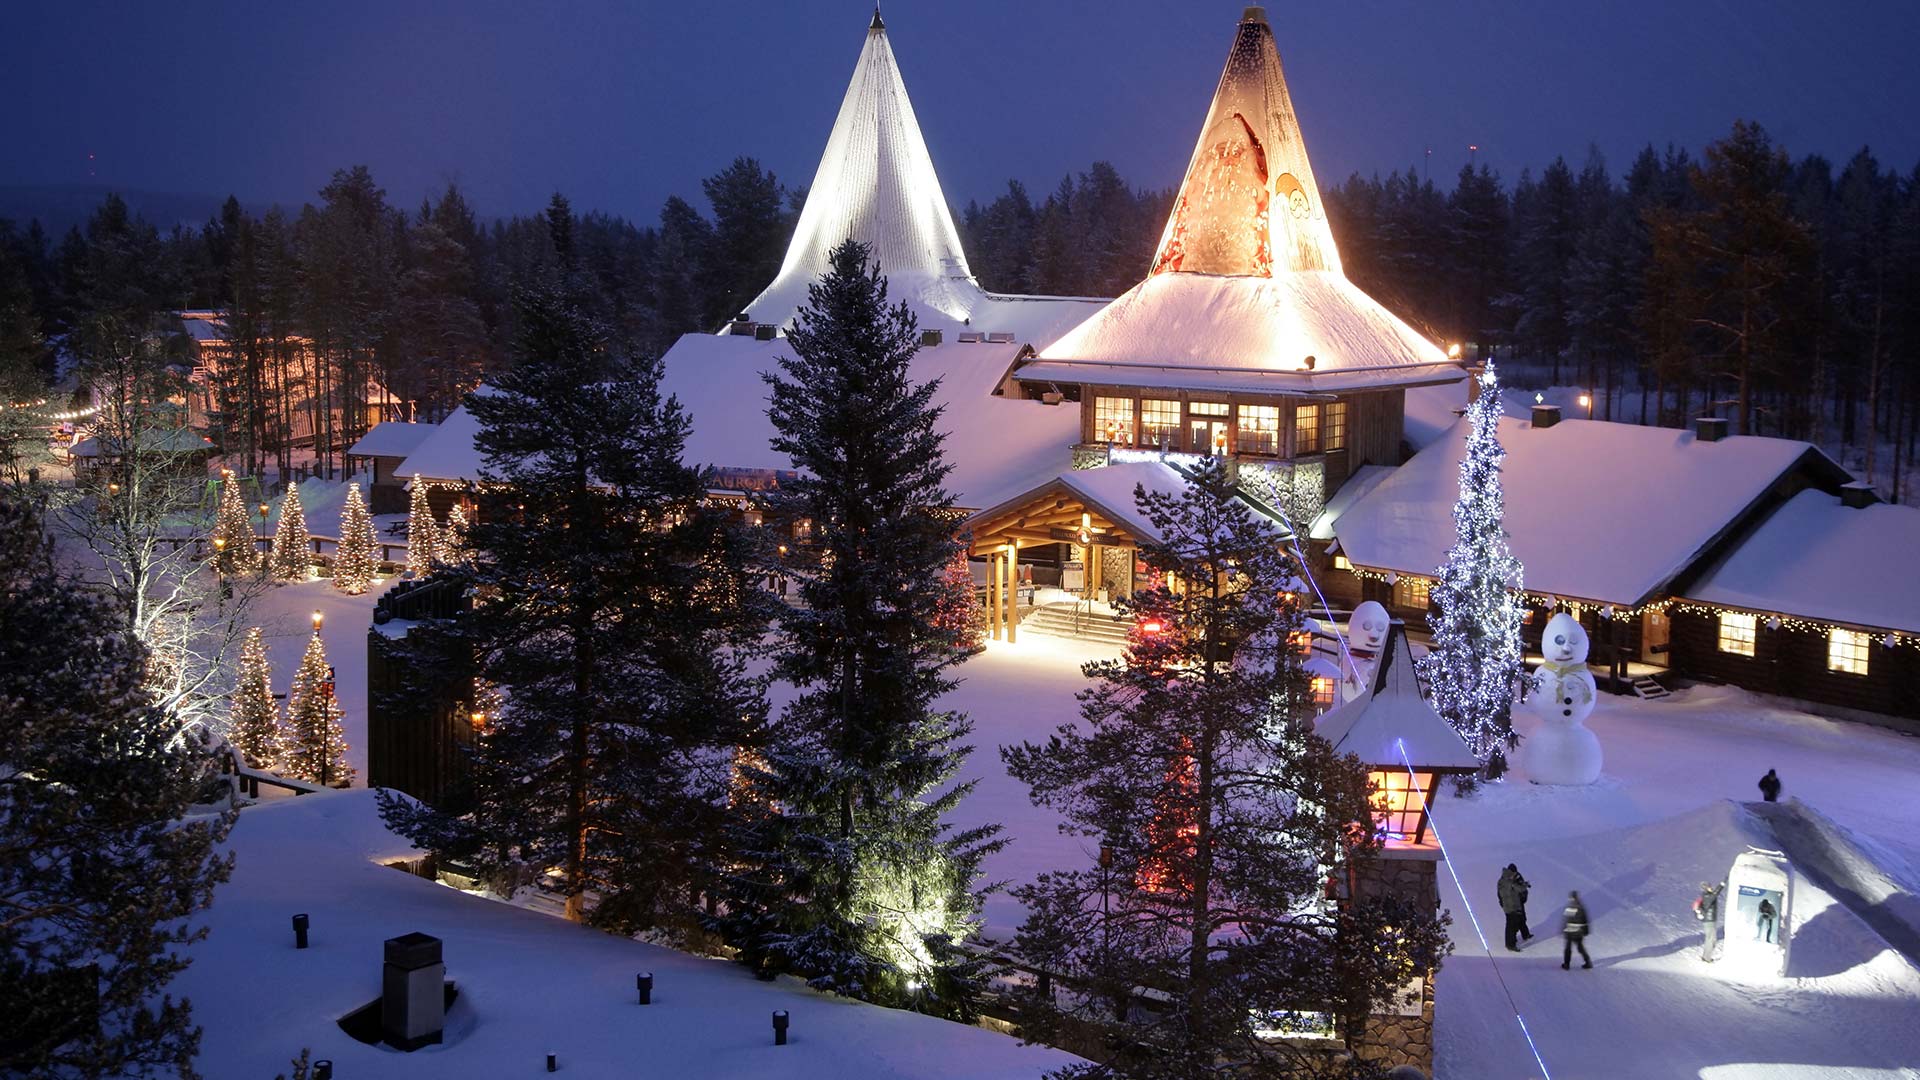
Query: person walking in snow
(1763, 931)
(1707, 910)
(1573, 929)
(1770, 787)
(1513, 901)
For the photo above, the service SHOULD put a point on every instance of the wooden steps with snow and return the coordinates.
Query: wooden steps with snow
(1649, 688)
(1063, 621)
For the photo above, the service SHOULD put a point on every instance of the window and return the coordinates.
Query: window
(1736, 633)
(1333, 425)
(1306, 429)
(1847, 651)
(1207, 408)
(1259, 429)
(1412, 592)
(1113, 420)
(1160, 423)
(1340, 562)
(1398, 804)
(1322, 692)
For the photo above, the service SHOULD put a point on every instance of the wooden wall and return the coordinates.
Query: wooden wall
(419, 718)
(1793, 663)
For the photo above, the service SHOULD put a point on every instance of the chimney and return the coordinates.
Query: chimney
(413, 1000)
(1709, 428)
(1858, 495)
(765, 332)
(930, 338)
(1545, 416)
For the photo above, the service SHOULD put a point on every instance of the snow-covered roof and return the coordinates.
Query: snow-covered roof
(1596, 510)
(1392, 714)
(1111, 488)
(1431, 411)
(1246, 285)
(1818, 559)
(876, 184)
(447, 454)
(1363, 479)
(166, 440)
(391, 439)
(998, 446)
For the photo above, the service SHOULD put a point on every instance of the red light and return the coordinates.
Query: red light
(1151, 626)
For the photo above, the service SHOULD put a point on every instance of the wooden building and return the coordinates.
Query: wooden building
(384, 449)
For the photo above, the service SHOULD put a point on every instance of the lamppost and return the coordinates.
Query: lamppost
(1586, 402)
(219, 569)
(263, 539)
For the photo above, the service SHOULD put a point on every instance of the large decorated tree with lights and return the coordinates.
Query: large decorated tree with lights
(856, 883)
(451, 541)
(1474, 666)
(315, 748)
(292, 558)
(233, 530)
(423, 535)
(253, 717)
(353, 563)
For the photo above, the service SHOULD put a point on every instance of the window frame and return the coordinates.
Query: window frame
(1306, 422)
(1736, 640)
(1849, 652)
(1124, 434)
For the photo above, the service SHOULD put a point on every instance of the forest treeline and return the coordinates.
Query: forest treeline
(1787, 289)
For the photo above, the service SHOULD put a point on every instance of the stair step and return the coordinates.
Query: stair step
(1650, 689)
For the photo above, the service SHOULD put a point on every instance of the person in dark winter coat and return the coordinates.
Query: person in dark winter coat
(1707, 910)
(1573, 928)
(1770, 787)
(1513, 900)
(1763, 930)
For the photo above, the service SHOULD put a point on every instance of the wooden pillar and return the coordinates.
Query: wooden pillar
(1093, 571)
(993, 593)
(1013, 587)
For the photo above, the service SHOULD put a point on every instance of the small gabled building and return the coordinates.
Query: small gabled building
(384, 449)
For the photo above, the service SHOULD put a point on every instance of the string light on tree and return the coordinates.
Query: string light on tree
(1476, 659)
(422, 535)
(316, 745)
(292, 546)
(353, 564)
(233, 530)
(451, 541)
(253, 718)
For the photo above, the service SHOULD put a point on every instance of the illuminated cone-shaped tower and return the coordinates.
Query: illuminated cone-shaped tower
(292, 545)
(423, 535)
(353, 565)
(253, 717)
(452, 538)
(316, 745)
(233, 530)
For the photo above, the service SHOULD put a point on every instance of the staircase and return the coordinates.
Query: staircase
(1649, 688)
(1068, 620)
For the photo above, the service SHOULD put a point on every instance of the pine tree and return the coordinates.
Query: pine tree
(613, 610)
(856, 883)
(101, 866)
(452, 538)
(422, 534)
(1475, 665)
(253, 717)
(233, 530)
(292, 546)
(1218, 814)
(315, 748)
(353, 563)
(958, 611)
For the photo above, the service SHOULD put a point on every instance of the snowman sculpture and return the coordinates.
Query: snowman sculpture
(1366, 634)
(1561, 692)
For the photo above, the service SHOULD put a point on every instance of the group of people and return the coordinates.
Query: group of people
(1513, 890)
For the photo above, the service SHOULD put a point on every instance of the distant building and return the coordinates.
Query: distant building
(212, 383)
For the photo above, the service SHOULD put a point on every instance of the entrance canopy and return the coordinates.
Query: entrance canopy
(1086, 506)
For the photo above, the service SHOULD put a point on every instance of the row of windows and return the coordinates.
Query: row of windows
(1255, 429)
(1847, 650)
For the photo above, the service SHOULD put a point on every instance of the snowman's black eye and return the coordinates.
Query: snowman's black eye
(1559, 639)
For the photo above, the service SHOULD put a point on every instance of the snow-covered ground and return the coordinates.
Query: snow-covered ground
(1665, 816)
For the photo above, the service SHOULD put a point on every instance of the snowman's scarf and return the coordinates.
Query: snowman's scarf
(1562, 670)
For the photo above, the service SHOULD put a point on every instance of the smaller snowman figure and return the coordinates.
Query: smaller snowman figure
(1366, 633)
(1562, 692)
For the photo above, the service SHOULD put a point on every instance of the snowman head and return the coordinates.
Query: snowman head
(1367, 627)
(1564, 641)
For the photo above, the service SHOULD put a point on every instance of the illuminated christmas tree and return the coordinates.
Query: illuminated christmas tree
(233, 530)
(956, 610)
(353, 564)
(253, 720)
(422, 535)
(451, 542)
(1475, 664)
(292, 558)
(316, 743)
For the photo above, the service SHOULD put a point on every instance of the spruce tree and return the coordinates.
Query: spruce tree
(614, 611)
(315, 747)
(101, 868)
(451, 541)
(233, 530)
(856, 883)
(292, 546)
(1218, 813)
(1474, 667)
(253, 717)
(353, 563)
(958, 611)
(423, 536)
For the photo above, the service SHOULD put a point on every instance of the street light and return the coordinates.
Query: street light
(317, 619)
(1586, 402)
(263, 537)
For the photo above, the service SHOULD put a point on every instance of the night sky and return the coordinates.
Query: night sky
(620, 104)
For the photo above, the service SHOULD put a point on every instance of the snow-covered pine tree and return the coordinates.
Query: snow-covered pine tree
(1219, 814)
(353, 564)
(253, 717)
(614, 613)
(958, 612)
(1474, 666)
(292, 545)
(315, 747)
(233, 530)
(423, 535)
(101, 867)
(857, 883)
(452, 538)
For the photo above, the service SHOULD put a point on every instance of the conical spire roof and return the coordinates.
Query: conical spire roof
(1249, 205)
(876, 184)
(1393, 718)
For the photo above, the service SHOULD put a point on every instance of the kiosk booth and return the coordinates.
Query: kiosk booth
(1757, 910)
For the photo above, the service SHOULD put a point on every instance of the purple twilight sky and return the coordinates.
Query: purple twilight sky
(621, 104)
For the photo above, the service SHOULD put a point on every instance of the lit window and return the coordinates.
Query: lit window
(1340, 562)
(1113, 420)
(1847, 651)
(1412, 592)
(1398, 800)
(1207, 408)
(1259, 429)
(1306, 429)
(1322, 692)
(1159, 423)
(1736, 633)
(1333, 426)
